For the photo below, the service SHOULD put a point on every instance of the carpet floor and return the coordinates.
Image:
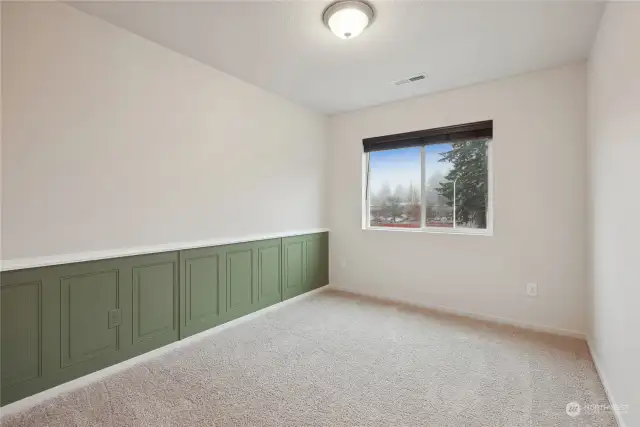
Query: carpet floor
(334, 359)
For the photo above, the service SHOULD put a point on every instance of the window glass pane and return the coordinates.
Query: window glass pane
(394, 185)
(457, 187)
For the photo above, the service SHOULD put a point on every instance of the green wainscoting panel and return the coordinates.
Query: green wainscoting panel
(293, 266)
(223, 283)
(30, 332)
(305, 263)
(21, 341)
(92, 295)
(316, 261)
(241, 279)
(313, 261)
(203, 290)
(269, 266)
(86, 302)
(155, 303)
(75, 319)
(65, 321)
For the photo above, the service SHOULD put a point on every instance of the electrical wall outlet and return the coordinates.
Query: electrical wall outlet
(115, 318)
(532, 289)
(343, 263)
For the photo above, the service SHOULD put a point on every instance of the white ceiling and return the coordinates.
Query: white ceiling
(284, 47)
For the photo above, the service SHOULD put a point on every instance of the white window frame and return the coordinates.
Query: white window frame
(366, 199)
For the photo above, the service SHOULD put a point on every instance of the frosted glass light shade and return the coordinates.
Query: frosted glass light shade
(348, 19)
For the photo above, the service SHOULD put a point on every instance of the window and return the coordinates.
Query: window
(394, 180)
(434, 180)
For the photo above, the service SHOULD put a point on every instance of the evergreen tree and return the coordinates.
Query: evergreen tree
(468, 161)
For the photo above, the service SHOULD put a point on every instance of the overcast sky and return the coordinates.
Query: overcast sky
(403, 166)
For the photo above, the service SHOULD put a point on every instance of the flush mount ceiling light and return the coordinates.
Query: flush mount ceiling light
(347, 19)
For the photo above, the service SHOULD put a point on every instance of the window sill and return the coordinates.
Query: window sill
(434, 230)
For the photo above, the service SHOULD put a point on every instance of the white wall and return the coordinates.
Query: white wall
(111, 141)
(539, 154)
(614, 150)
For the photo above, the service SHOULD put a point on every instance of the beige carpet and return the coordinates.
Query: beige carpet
(338, 360)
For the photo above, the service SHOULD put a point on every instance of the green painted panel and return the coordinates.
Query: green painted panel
(154, 301)
(324, 271)
(202, 289)
(77, 304)
(316, 261)
(28, 332)
(65, 321)
(21, 333)
(86, 302)
(313, 264)
(240, 280)
(268, 275)
(89, 296)
(293, 266)
(269, 265)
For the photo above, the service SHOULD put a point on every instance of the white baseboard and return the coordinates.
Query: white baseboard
(462, 313)
(36, 399)
(605, 383)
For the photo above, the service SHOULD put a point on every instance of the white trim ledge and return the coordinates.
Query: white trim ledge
(435, 230)
(38, 398)
(45, 261)
(468, 314)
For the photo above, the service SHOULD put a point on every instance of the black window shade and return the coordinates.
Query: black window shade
(463, 132)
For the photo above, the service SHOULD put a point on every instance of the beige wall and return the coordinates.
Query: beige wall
(111, 141)
(614, 150)
(539, 219)
(1, 145)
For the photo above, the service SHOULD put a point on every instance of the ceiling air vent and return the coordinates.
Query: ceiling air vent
(411, 79)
